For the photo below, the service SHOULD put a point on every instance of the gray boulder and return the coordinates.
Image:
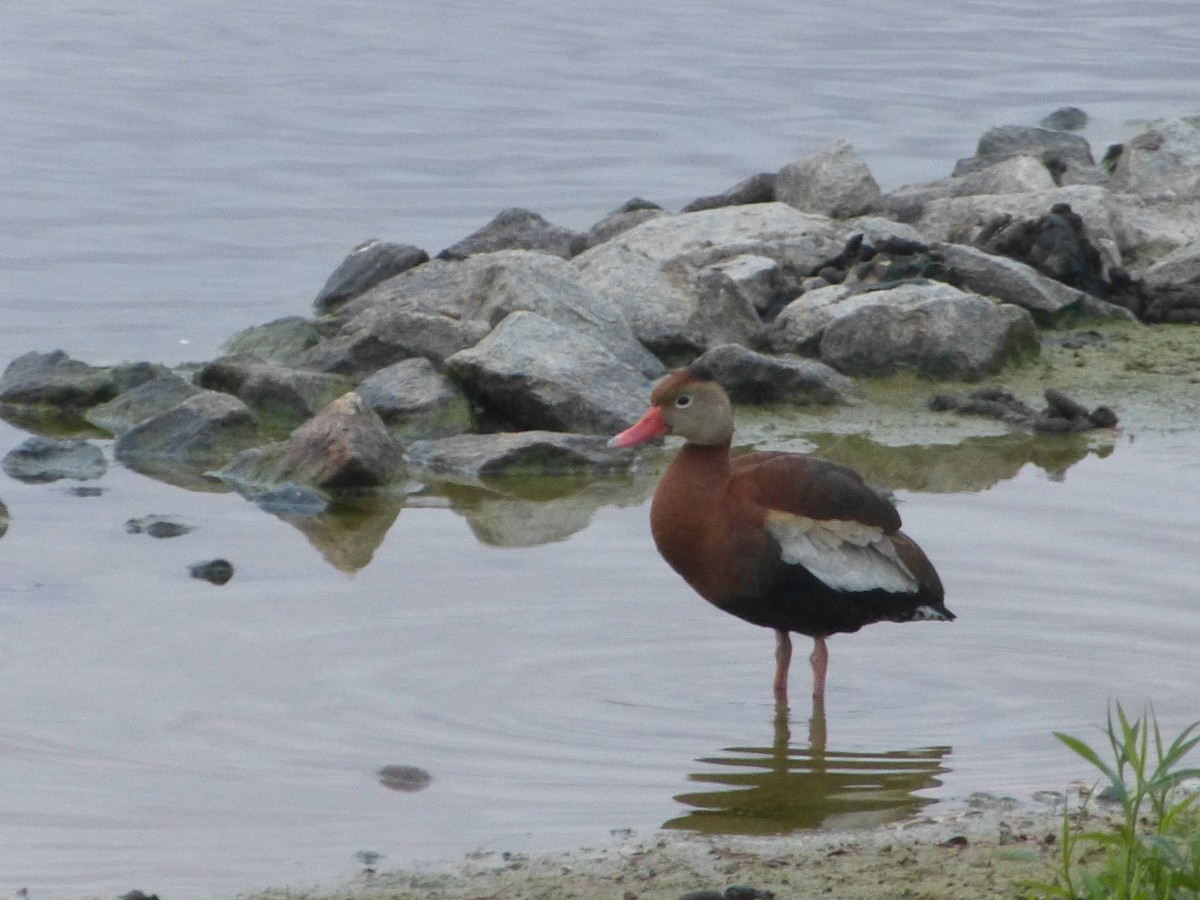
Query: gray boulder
(136, 405)
(518, 229)
(1013, 175)
(932, 329)
(476, 456)
(758, 188)
(443, 307)
(54, 379)
(834, 182)
(1172, 287)
(280, 396)
(1165, 158)
(39, 460)
(275, 341)
(669, 277)
(1011, 281)
(367, 265)
(531, 373)
(206, 429)
(751, 377)
(414, 401)
(344, 447)
(1067, 156)
(632, 212)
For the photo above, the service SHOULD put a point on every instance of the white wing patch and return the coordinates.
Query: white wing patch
(846, 555)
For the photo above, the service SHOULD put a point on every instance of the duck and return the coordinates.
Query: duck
(786, 541)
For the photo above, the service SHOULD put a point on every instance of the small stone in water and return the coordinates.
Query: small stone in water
(157, 526)
(216, 571)
(408, 779)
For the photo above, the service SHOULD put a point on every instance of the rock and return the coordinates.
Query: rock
(136, 405)
(159, 526)
(518, 229)
(5, 519)
(275, 341)
(443, 307)
(1067, 156)
(1011, 281)
(1015, 175)
(702, 894)
(632, 212)
(408, 779)
(206, 429)
(666, 275)
(343, 447)
(54, 379)
(281, 397)
(291, 500)
(932, 329)
(533, 373)
(39, 460)
(1057, 244)
(961, 220)
(1066, 118)
(1165, 158)
(884, 234)
(758, 188)
(750, 377)
(214, 571)
(834, 182)
(366, 266)
(415, 401)
(1171, 287)
(477, 456)
(387, 334)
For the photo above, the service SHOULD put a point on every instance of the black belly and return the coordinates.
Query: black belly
(796, 600)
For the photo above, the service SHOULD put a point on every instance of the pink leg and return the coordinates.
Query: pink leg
(783, 660)
(820, 662)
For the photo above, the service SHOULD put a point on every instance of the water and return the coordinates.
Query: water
(174, 172)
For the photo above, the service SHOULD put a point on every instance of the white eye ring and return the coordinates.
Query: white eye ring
(683, 401)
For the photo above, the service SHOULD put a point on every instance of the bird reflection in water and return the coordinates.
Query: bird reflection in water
(781, 788)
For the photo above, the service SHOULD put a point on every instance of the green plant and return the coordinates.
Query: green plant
(1152, 849)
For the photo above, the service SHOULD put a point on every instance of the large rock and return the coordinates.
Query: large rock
(961, 220)
(532, 373)
(54, 379)
(932, 329)
(274, 341)
(1172, 287)
(415, 401)
(344, 447)
(1067, 156)
(41, 459)
(204, 430)
(751, 377)
(1011, 281)
(367, 265)
(443, 307)
(477, 456)
(833, 182)
(1016, 175)
(669, 277)
(1163, 158)
(281, 397)
(518, 229)
(136, 405)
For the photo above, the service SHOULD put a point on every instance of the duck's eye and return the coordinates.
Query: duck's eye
(683, 401)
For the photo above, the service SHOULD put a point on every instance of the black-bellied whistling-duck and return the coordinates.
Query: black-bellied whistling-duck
(789, 542)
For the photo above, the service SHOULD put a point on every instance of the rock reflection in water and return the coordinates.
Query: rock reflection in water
(781, 788)
(349, 532)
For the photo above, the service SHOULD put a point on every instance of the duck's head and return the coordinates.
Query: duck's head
(688, 403)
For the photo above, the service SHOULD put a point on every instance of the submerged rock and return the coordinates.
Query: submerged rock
(214, 571)
(159, 526)
(344, 447)
(524, 452)
(39, 460)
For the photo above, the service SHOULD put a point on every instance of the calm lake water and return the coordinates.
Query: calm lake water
(173, 172)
